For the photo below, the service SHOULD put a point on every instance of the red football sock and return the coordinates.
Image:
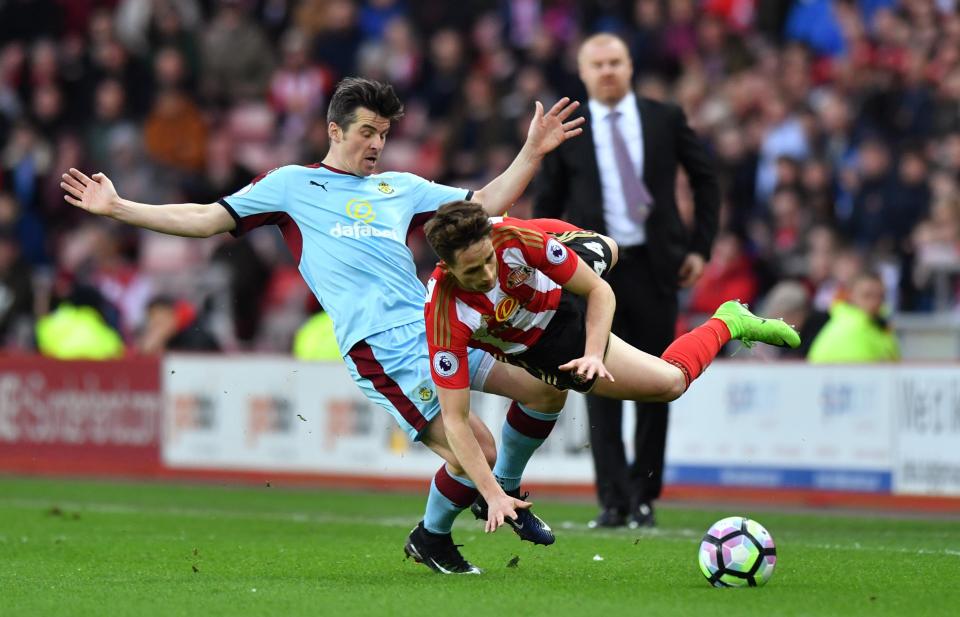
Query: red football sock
(695, 350)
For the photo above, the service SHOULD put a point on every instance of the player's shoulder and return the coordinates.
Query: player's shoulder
(399, 178)
(290, 169)
(516, 231)
(664, 109)
(281, 175)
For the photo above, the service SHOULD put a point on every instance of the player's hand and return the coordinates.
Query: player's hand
(586, 368)
(95, 195)
(691, 269)
(500, 508)
(549, 130)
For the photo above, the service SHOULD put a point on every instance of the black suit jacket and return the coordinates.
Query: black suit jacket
(568, 187)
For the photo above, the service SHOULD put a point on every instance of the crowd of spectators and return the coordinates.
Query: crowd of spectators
(835, 125)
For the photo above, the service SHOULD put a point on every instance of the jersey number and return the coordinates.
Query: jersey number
(596, 247)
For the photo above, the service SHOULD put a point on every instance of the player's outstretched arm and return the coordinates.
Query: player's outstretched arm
(601, 304)
(455, 409)
(547, 131)
(97, 195)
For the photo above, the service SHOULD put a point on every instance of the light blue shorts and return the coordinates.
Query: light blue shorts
(393, 370)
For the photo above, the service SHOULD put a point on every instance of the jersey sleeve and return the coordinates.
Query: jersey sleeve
(259, 203)
(544, 252)
(553, 226)
(447, 338)
(429, 196)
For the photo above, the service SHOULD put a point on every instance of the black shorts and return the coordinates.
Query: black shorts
(566, 335)
(590, 247)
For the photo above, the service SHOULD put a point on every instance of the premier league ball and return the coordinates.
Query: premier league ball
(737, 552)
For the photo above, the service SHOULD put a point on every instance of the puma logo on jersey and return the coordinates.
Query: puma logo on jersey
(323, 185)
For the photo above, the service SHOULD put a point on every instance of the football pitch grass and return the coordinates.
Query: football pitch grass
(71, 547)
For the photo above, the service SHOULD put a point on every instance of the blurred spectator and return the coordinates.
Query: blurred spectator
(816, 186)
(141, 24)
(16, 292)
(237, 59)
(337, 33)
(856, 331)
(97, 258)
(936, 246)
(298, 88)
(223, 175)
(791, 222)
(476, 128)
(248, 275)
(376, 15)
(817, 23)
(885, 206)
(444, 72)
(173, 325)
(314, 340)
(834, 123)
(728, 275)
(910, 202)
(791, 302)
(175, 133)
(846, 265)
(76, 329)
(784, 137)
(23, 163)
(109, 118)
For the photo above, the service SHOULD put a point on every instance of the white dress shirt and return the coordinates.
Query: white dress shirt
(619, 226)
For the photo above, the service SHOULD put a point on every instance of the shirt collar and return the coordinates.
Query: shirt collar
(626, 106)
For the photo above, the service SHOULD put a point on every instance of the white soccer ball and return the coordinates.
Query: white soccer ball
(737, 552)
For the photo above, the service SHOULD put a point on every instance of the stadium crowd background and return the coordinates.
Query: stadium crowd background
(835, 125)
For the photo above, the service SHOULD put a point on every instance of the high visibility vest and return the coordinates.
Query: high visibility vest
(315, 340)
(77, 333)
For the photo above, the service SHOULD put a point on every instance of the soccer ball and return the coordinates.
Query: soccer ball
(737, 552)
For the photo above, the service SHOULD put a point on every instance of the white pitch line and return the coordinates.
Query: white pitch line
(292, 517)
(576, 528)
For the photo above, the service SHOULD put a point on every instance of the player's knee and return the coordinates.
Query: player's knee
(669, 386)
(614, 250)
(674, 387)
(490, 453)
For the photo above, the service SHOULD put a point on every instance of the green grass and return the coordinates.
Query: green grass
(91, 548)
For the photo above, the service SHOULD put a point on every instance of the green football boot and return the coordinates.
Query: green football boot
(747, 328)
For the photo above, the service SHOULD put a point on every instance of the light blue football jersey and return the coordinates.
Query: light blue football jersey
(348, 234)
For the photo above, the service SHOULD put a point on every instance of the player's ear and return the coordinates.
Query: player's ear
(334, 132)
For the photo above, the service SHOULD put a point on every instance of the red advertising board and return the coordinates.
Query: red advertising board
(80, 417)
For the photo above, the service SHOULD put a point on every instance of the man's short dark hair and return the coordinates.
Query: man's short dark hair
(456, 226)
(355, 92)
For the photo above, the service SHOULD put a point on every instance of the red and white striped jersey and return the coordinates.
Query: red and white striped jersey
(532, 266)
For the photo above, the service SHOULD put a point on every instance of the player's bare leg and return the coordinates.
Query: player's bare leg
(638, 376)
(435, 438)
(529, 421)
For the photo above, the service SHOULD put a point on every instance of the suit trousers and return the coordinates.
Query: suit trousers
(645, 317)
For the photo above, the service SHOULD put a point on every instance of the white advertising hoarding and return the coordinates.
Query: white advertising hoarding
(927, 411)
(874, 429)
(784, 426)
(277, 414)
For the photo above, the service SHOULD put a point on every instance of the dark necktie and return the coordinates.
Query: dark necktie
(635, 192)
